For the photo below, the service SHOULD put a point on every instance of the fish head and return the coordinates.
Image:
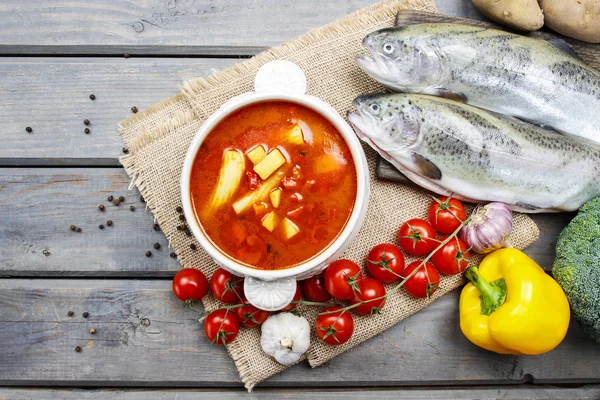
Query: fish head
(387, 122)
(401, 61)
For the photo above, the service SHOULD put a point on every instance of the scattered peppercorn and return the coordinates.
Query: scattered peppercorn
(179, 209)
(110, 198)
(46, 252)
(125, 150)
(173, 255)
(86, 314)
(156, 227)
(93, 97)
(134, 109)
(93, 331)
(116, 202)
(179, 227)
(73, 227)
(126, 55)
(109, 222)
(132, 208)
(101, 207)
(121, 199)
(28, 129)
(142, 199)
(70, 313)
(148, 253)
(188, 233)
(157, 246)
(87, 130)
(78, 229)
(78, 349)
(193, 246)
(182, 217)
(86, 121)
(101, 226)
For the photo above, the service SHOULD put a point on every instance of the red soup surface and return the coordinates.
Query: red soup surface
(273, 184)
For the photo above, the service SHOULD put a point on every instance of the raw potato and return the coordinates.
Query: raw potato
(579, 19)
(522, 15)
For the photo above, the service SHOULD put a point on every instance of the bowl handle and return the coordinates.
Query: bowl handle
(280, 76)
(269, 295)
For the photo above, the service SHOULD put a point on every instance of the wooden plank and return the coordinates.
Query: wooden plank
(169, 349)
(432, 393)
(216, 27)
(38, 205)
(51, 95)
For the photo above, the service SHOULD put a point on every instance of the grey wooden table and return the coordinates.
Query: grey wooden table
(53, 55)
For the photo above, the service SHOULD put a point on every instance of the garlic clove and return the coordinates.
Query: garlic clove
(285, 337)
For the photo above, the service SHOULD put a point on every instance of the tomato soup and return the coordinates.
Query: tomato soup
(273, 184)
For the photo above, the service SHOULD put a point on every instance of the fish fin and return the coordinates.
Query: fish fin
(426, 167)
(447, 94)
(565, 47)
(528, 207)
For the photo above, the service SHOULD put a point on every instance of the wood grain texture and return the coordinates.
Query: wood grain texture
(216, 27)
(37, 207)
(51, 95)
(591, 392)
(169, 349)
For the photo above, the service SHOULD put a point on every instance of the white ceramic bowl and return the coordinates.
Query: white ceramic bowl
(274, 289)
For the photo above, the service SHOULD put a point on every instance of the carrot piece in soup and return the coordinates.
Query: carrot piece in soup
(238, 233)
(260, 208)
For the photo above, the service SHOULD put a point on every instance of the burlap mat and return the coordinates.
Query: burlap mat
(159, 137)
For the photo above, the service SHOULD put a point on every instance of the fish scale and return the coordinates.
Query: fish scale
(528, 78)
(450, 147)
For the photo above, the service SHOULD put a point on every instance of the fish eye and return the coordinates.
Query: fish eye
(374, 107)
(388, 48)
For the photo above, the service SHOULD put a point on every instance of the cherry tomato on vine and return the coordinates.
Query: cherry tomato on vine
(453, 258)
(369, 290)
(417, 237)
(446, 214)
(385, 262)
(341, 279)
(297, 297)
(190, 284)
(335, 328)
(221, 326)
(422, 283)
(226, 287)
(251, 316)
(314, 289)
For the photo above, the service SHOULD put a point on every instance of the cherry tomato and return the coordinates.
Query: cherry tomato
(417, 237)
(370, 289)
(421, 284)
(446, 214)
(190, 284)
(221, 326)
(335, 328)
(314, 289)
(453, 258)
(297, 297)
(385, 262)
(226, 287)
(341, 279)
(251, 316)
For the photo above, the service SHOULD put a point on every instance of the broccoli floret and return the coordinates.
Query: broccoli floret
(577, 266)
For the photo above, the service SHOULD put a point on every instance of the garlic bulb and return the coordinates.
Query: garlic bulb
(489, 228)
(285, 337)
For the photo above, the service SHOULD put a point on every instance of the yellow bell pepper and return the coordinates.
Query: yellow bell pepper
(512, 306)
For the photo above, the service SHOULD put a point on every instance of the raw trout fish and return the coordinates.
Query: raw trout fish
(449, 147)
(531, 79)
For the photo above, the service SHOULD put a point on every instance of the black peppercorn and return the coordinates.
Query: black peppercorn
(116, 202)
(121, 199)
(86, 121)
(134, 109)
(101, 207)
(156, 227)
(179, 209)
(126, 55)
(142, 199)
(73, 227)
(188, 233)
(109, 222)
(86, 314)
(157, 246)
(179, 227)
(132, 208)
(101, 226)
(193, 246)
(148, 253)
(87, 130)
(78, 229)
(28, 129)
(70, 313)
(93, 97)
(125, 150)
(78, 349)
(93, 331)
(182, 217)
(173, 255)
(110, 198)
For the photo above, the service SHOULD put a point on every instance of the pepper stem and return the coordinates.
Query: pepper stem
(493, 294)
